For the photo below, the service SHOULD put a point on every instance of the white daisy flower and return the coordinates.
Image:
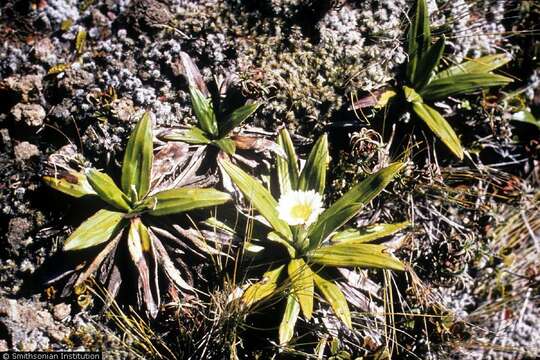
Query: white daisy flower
(300, 207)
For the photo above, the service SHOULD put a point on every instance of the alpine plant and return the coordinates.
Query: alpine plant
(312, 235)
(124, 220)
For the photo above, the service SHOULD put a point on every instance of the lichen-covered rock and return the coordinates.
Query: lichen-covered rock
(23, 85)
(75, 78)
(61, 311)
(18, 229)
(26, 324)
(31, 114)
(25, 151)
(304, 60)
(303, 82)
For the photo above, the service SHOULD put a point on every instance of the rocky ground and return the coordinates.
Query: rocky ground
(80, 73)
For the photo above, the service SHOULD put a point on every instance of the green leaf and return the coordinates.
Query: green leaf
(335, 298)
(313, 176)
(227, 145)
(143, 234)
(484, 64)
(461, 84)
(527, 117)
(301, 278)
(290, 316)
(97, 229)
(259, 196)
(138, 158)
(139, 238)
(287, 169)
(181, 200)
(428, 63)
(440, 127)
(263, 288)
(275, 237)
(419, 38)
(107, 189)
(370, 233)
(350, 204)
(204, 111)
(351, 254)
(214, 223)
(237, 117)
(73, 183)
(193, 135)
(80, 41)
(411, 95)
(385, 98)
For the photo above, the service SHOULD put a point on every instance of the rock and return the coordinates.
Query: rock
(31, 114)
(61, 311)
(123, 108)
(18, 230)
(58, 335)
(24, 151)
(27, 325)
(44, 51)
(4, 345)
(5, 140)
(147, 15)
(23, 85)
(75, 78)
(63, 110)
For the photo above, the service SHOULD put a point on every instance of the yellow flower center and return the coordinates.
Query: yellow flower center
(301, 211)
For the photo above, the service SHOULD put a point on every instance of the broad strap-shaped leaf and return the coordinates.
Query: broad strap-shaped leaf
(107, 190)
(527, 117)
(275, 237)
(352, 254)
(137, 165)
(287, 169)
(227, 145)
(301, 278)
(350, 204)
(181, 200)
(335, 298)
(313, 176)
(418, 37)
(461, 84)
(411, 95)
(264, 288)
(96, 230)
(237, 117)
(192, 74)
(144, 235)
(193, 135)
(288, 322)
(427, 63)
(204, 111)
(259, 197)
(385, 97)
(483, 64)
(139, 245)
(216, 224)
(73, 183)
(369, 233)
(440, 127)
